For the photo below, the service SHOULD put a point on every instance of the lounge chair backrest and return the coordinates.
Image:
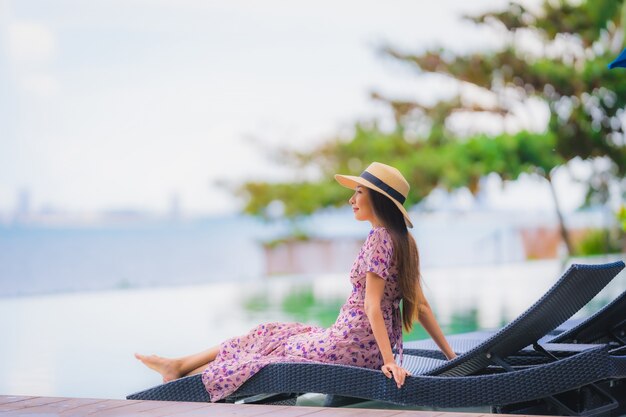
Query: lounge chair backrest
(578, 285)
(597, 328)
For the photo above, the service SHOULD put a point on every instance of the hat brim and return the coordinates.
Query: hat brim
(351, 181)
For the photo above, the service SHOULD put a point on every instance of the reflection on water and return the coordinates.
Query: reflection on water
(301, 304)
(81, 344)
(298, 304)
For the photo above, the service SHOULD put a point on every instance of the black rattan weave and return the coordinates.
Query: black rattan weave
(189, 388)
(468, 391)
(606, 325)
(451, 384)
(578, 285)
(598, 328)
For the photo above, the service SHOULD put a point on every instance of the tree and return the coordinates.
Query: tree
(368, 143)
(568, 75)
(565, 74)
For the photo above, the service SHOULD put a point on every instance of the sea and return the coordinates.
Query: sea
(77, 301)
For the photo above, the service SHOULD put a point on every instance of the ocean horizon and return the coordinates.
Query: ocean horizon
(37, 259)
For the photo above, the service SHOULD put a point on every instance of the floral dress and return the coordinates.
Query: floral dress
(350, 341)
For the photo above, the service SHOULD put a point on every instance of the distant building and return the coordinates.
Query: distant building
(315, 255)
(23, 208)
(174, 212)
(444, 239)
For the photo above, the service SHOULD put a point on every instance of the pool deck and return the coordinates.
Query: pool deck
(58, 406)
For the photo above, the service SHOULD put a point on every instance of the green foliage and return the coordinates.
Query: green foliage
(302, 305)
(299, 199)
(460, 322)
(599, 242)
(621, 217)
(350, 157)
(568, 74)
(464, 322)
(256, 302)
(585, 98)
(295, 236)
(299, 305)
(417, 333)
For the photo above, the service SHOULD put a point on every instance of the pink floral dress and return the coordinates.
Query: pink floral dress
(349, 341)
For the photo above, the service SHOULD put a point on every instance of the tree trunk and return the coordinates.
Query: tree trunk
(564, 232)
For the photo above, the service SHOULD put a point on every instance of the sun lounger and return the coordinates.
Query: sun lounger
(607, 325)
(477, 378)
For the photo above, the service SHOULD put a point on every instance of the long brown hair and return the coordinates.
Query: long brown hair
(405, 254)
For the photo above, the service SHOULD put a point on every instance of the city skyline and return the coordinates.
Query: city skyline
(493, 195)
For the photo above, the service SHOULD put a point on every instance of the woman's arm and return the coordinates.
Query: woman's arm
(374, 290)
(429, 323)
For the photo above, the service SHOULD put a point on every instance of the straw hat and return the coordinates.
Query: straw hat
(382, 178)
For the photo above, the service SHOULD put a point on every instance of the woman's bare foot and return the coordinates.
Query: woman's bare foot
(168, 368)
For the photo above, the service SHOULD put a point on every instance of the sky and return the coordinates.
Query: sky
(124, 104)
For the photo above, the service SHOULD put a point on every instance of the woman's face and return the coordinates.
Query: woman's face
(362, 205)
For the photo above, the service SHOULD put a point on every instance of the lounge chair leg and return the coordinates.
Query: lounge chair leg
(341, 401)
(619, 333)
(590, 400)
(273, 399)
(540, 349)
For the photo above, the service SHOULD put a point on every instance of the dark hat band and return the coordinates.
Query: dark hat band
(384, 186)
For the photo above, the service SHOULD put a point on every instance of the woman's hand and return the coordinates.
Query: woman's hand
(398, 373)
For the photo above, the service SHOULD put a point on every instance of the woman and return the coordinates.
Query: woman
(370, 323)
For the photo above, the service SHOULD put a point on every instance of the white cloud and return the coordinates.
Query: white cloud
(32, 47)
(43, 85)
(31, 42)
(163, 105)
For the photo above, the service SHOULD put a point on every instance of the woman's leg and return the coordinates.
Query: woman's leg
(171, 369)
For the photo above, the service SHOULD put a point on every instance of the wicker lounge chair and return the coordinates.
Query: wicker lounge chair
(478, 378)
(607, 325)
